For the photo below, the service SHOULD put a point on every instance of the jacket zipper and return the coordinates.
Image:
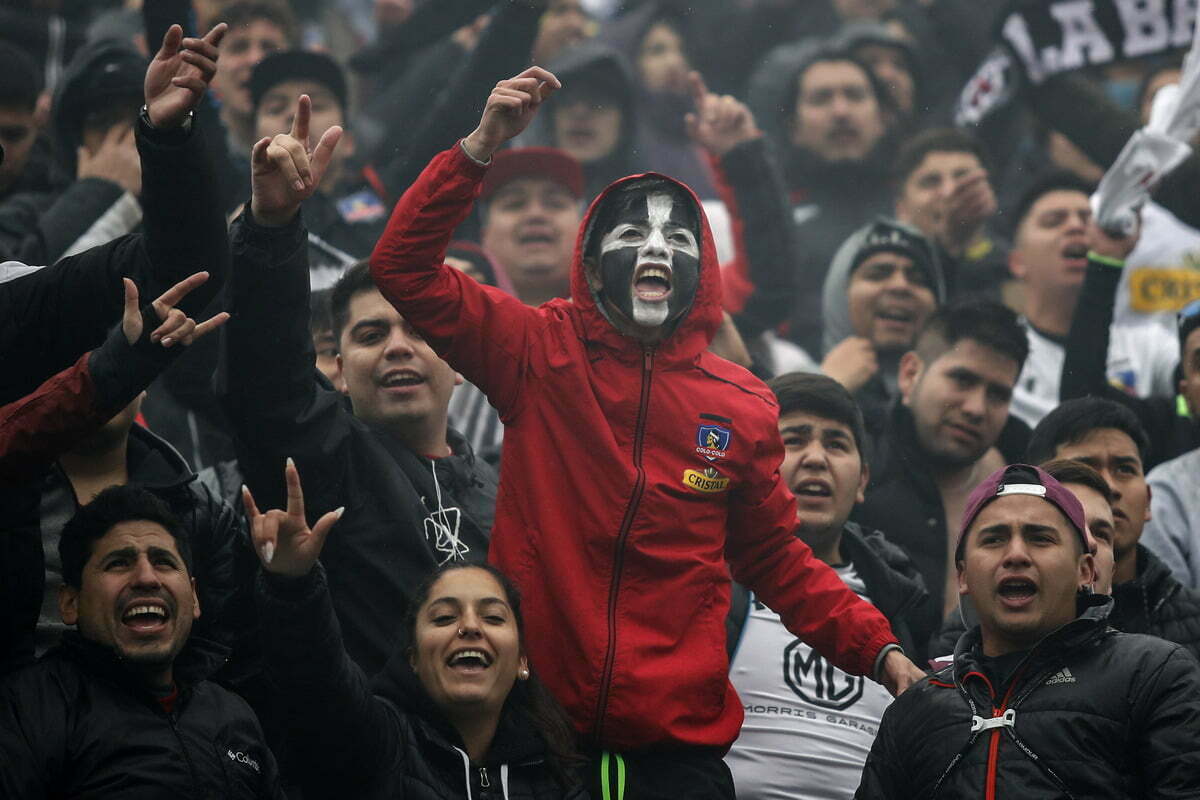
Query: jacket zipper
(183, 747)
(483, 778)
(994, 745)
(619, 556)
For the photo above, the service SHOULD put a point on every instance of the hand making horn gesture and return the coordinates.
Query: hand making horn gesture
(509, 110)
(284, 542)
(176, 327)
(285, 169)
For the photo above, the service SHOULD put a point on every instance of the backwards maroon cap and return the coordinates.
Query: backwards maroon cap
(533, 162)
(1024, 479)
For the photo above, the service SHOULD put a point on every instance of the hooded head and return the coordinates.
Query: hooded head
(646, 261)
(916, 254)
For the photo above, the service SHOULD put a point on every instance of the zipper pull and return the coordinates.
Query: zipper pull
(483, 778)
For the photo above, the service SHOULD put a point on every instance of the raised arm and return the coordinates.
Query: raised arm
(267, 381)
(751, 186)
(54, 315)
(480, 331)
(303, 648)
(77, 401)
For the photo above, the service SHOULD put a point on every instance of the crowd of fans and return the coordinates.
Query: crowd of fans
(598, 398)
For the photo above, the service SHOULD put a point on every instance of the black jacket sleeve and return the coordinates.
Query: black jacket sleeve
(767, 233)
(1080, 110)
(267, 380)
(50, 317)
(1169, 715)
(1085, 364)
(503, 51)
(38, 228)
(882, 777)
(334, 707)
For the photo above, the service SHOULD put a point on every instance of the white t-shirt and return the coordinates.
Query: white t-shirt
(1162, 274)
(1141, 359)
(809, 726)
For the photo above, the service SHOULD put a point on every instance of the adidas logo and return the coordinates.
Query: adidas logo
(1062, 676)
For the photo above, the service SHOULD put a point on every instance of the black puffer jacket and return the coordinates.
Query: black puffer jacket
(79, 724)
(1153, 603)
(384, 739)
(222, 561)
(1089, 713)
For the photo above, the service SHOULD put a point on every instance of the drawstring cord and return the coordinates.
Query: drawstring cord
(441, 526)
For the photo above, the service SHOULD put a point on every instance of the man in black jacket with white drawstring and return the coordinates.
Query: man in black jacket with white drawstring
(1043, 699)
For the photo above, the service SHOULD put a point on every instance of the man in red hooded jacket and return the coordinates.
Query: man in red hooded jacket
(639, 469)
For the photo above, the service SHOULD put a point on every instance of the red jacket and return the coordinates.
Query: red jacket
(619, 517)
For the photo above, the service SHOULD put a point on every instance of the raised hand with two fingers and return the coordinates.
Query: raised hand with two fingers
(284, 542)
(285, 170)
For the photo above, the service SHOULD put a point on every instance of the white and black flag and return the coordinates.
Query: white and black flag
(1041, 38)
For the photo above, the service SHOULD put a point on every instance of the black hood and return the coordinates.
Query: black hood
(581, 62)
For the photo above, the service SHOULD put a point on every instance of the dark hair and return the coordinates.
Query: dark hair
(320, 311)
(821, 396)
(1057, 181)
(1074, 420)
(935, 140)
(1068, 470)
(244, 12)
(989, 323)
(354, 280)
(114, 505)
(883, 95)
(529, 697)
(20, 79)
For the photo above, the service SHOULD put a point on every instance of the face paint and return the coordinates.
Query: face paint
(650, 259)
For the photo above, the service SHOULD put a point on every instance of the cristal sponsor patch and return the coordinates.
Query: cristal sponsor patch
(708, 481)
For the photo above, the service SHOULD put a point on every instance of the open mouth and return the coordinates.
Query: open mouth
(536, 236)
(401, 380)
(652, 284)
(469, 661)
(899, 316)
(1016, 592)
(813, 488)
(1075, 253)
(146, 617)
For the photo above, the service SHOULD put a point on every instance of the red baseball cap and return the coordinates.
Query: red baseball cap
(1024, 479)
(549, 163)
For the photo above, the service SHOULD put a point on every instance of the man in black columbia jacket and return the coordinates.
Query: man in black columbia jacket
(1044, 699)
(122, 707)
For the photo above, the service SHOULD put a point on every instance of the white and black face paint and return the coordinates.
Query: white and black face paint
(650, 259)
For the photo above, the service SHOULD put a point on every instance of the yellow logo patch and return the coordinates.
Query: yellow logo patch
(1152, 290)
(709, 481)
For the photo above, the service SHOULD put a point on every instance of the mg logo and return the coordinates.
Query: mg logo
(817, 681)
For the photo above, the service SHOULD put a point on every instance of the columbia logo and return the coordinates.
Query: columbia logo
(1062, 676)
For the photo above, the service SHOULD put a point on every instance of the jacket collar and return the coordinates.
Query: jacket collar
(877, 561)
(516, 739)
(198, 660)
(1091, 623)
(1153, 585)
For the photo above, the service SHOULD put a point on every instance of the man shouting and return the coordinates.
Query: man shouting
(636, 464)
